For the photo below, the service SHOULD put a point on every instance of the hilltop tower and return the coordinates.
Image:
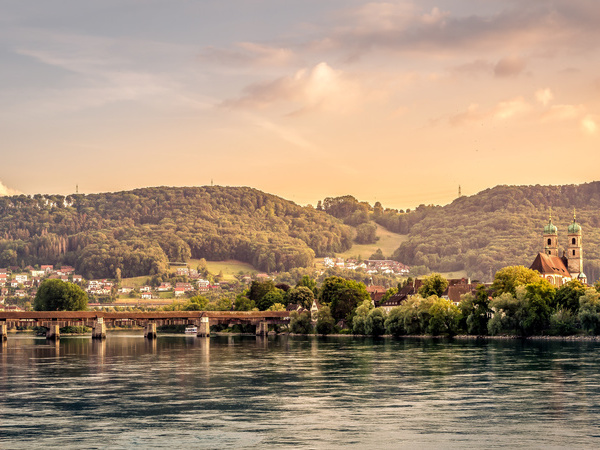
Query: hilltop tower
(550, 238)
(574, 249)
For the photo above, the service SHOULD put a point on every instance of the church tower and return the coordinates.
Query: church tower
(550, 238)
(574, 249)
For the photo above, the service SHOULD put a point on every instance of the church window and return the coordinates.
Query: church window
(573, 252)
(549, 241)
(573, 241)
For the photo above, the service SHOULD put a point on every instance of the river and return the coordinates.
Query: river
(304, 392)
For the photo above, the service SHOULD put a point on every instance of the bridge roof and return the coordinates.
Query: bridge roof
(150, 315)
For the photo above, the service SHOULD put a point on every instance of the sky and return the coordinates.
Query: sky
(398, 102)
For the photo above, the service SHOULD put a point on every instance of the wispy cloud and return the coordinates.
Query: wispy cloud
(318, 88)
(4, 190)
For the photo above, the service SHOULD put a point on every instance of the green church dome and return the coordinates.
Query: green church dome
(550, 228)
(574, 228)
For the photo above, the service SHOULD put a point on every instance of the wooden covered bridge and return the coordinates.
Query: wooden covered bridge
(99, 320)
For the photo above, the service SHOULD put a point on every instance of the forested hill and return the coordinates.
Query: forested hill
(139, 231)
(499, 227)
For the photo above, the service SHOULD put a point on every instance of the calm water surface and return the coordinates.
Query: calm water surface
(246, 392)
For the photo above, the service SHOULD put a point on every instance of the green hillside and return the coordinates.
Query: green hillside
(138, 232)
(503, 226)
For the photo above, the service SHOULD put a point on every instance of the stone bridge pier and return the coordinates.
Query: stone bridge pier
(262, 328)
(99, 329)
(53, 332)
(204, 328)
(150, 331)
(3, 331)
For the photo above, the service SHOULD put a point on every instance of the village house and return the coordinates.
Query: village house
(21, 278)
(38, 273)
(47, 268)
(146, 295)
(145, 289)
(164, 287)
(179, 291)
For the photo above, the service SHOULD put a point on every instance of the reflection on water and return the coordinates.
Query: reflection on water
(234, 391)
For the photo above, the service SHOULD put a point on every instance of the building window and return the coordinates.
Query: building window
(573, 241)
(573, 252)
(549, 241)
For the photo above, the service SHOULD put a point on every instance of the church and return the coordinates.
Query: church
(558, 270)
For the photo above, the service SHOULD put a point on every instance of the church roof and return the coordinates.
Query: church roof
(548, 264)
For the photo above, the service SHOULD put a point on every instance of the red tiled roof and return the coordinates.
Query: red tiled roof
(547, 264)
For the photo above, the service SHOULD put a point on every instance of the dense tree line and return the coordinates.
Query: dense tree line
(140, 231)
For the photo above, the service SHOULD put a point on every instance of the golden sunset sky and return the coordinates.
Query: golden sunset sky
(397, 102)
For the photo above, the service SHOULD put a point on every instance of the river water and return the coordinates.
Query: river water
(337, 392)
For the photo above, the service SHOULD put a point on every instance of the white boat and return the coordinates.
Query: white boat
(191, 329)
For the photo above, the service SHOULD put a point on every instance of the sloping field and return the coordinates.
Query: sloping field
(388, 242)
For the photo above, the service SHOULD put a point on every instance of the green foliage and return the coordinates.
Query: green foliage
(589, 311)
(378, 255)
(269, 299)
(277, 307)
(375, 322)
(567, 296)
(359, 320)
(475, 311)
(342, 296)
(563, 323)
(394, 323)
(434, 284)
(366, 233)
(139, 231)
(243, 303)
(443, 318)
(258, 289)
(308, 282)
(508, 278)
(525, 314)
(300, 323)
(325, 321)
(300, 295)
(58, 295)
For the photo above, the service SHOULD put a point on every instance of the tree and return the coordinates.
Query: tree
(508, 278)
(443, 317)
(325, 321)
(589, 311)
(300, 295)
(434, 284)
(309, 283)
(243, 303)
(378, 255)
(300, 323)
(394, 323)
(359, 319)
(375, 323)
(475, 311)
(567, 296)
(269, 299)
(366, 233)
(58, 295)
(342, 296)
(258, 289)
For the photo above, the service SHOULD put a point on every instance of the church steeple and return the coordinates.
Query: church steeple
(550, 238)
(575, 249)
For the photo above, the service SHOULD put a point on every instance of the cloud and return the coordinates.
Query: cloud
(4, 190)
(544, 96)
(532, 27)
(501, 111)
(509, 67)
(318, 88)
(563, 113)
(589, 125)
(249, 53)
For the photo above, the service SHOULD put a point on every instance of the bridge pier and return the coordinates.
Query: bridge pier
(150, 331)
(99, 330)
(53, 333)
(3, 331)
(204, 328)
(262, 329)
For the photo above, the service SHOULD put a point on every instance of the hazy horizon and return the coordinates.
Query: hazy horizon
(398, 101)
